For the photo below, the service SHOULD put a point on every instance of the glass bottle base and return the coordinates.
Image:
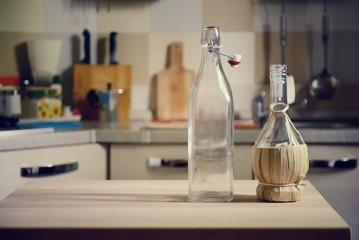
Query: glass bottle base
(210, 196)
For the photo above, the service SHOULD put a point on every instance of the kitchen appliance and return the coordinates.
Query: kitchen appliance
(98, 76)
(105, 102)
(10, 102)
(44, 55)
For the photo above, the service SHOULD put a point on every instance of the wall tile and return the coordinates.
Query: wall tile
(140, 97)
(242, 43)
(133, 49)
(345, 99)
(262, 57)
(230, 15)
(71, 53)
(147, 27)
(69, 16)
(268, 51)
(13, 57)
(21, 16)
(343, 15)
(306, 15)
(66, 20)
(176, 16)
(158, 55)
(158, 43)
(241, 78)
(343, 50)
(125, 16)
(267, 15)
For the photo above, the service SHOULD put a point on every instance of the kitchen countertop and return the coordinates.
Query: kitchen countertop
(46, 139)
(75, 209)
(137, 132)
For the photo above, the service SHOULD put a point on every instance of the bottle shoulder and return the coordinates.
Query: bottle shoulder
(279, 130)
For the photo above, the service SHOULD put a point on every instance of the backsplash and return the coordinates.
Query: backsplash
(146, 28)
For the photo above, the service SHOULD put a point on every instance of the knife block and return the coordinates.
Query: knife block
(97, 76)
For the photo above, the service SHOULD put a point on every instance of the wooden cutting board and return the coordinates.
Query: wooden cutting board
(173, 86)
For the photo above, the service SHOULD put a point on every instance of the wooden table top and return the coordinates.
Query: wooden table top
(116, 209)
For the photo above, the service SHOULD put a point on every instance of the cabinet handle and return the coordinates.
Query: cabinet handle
(342, 163)
(154, 162)
(48, 170)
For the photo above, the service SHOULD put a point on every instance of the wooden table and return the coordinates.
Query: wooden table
(74, 209)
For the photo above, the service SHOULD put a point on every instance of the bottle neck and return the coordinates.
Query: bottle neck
(278, 85)
(210, 40)
(210, 59)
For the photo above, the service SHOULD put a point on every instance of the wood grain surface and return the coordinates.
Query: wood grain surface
(80, 209)
(173, 86)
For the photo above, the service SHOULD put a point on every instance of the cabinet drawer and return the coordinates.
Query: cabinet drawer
(89, 158)
(130, 162)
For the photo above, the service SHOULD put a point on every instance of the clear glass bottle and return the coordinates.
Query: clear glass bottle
(279, 155)
(210, 127)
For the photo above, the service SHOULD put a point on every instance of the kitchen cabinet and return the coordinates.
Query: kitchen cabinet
(339, 186)
(130, 162)
(90, 160)
(332, 152)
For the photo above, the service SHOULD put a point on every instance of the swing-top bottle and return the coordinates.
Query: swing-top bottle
(210, 130)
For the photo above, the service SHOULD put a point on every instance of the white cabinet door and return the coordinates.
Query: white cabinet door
(90, 159)
(130, 162)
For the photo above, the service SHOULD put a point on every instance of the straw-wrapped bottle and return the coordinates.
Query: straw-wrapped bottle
(279, 155)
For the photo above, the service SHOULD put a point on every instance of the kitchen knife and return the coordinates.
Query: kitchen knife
(113, 46)
(87, 40)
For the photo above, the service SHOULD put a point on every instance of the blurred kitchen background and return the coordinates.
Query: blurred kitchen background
(146, 27)
(145, 30)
